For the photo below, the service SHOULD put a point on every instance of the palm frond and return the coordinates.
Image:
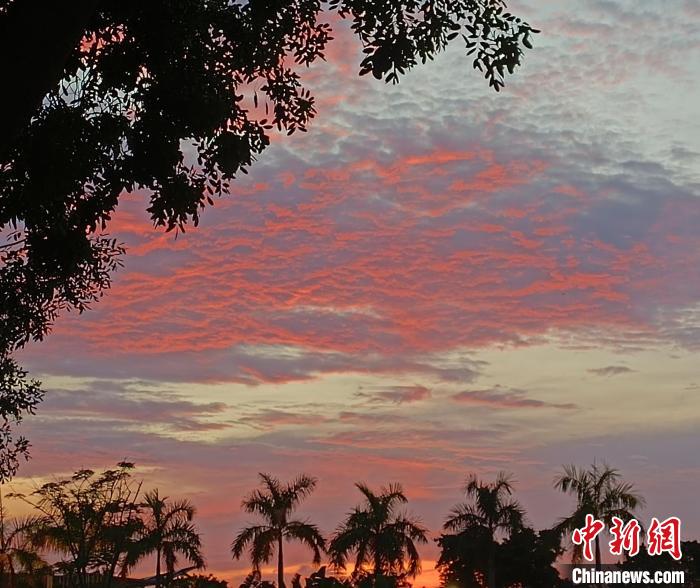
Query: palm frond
(349, 538)
(599, 492)
(296, 490)
(245, 537)
(309, 535)
(370, 496)
(378, 535)
(178, 510)
(273, 485)
(260, 503)
(262, 547)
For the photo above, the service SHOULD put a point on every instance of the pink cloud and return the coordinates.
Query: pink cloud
(379, 259)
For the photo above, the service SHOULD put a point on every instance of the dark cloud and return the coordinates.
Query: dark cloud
(499, 398)
(611, 370)
(273, 419)
(395, 394)
(119, 405)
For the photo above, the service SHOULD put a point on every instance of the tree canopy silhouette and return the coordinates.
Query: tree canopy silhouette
(525, 558)
(599, 491)
(19, 395)
(689, 564)
(382, 539)
(174, 98)
(489, 511)
(18, 551)
(275, 503)
(167, 531)
(97, 524)
(200, 581)
(90, 519)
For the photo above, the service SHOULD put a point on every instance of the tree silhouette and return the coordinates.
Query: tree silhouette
(490, 511)
(275, 502)
(319, 579)
(464, 557)
(17, 546)
(525, 558)
(689, 564)
(600, 492)
(176, 99)
(200, 581)
(89, 519)
(167, 531)
(382, 539)
(254, 580)
(18, 396)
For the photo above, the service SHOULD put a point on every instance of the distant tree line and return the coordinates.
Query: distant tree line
(99, 523)
(102, 524)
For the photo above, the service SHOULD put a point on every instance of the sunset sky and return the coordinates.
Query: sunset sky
(435, 280)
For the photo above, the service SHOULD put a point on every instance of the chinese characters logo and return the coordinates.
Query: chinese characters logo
(661, 537)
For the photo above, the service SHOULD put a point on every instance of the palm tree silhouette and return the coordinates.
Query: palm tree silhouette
(275, 502)
(17, 551)
(488, 508)
(379, 536)
(168, 531)
(599, 492)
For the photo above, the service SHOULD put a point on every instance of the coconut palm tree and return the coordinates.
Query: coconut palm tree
(167, 532)
(491, 510)
(17, 553)
(382, 538)
(275, 502)
(599, 492)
